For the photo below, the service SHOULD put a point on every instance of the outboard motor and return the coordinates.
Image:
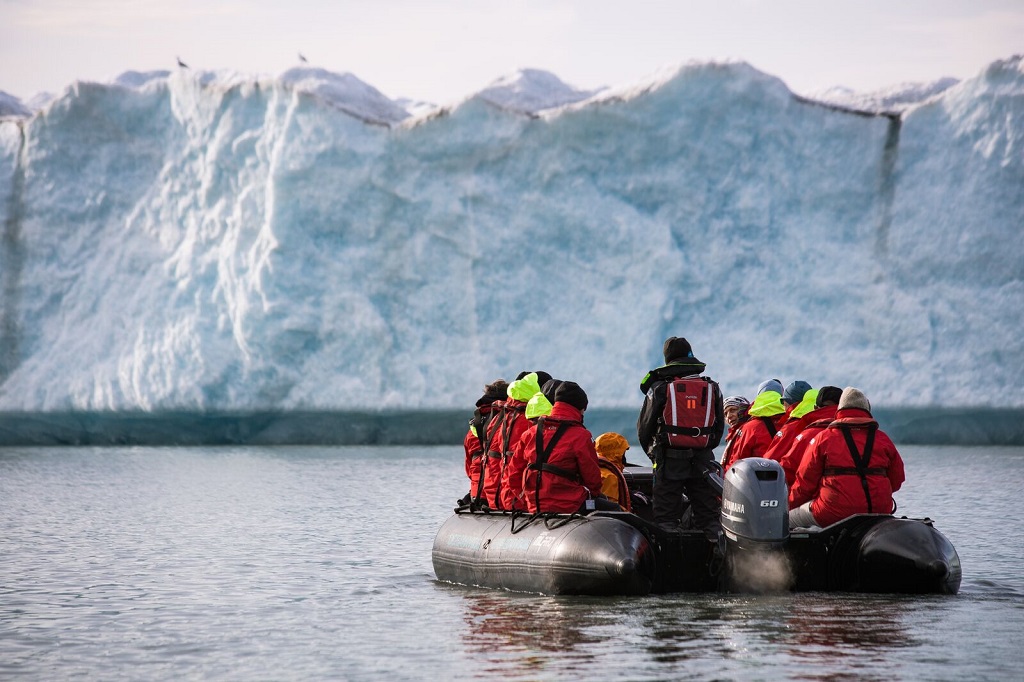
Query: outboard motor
(755, 520)
(755, 504)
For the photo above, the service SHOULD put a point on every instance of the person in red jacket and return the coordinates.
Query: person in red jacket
(504, 432)
(736, 409)
(790, 454)
(794, 394)
(792, 425)
(767, 414)
(851, 467)
(485, 408)
(554, 465)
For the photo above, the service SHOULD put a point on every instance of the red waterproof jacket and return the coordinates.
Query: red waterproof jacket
(787, 434)
(474, 449)
(474, 460)
(571, 472)
(783, 439)
(816, 421)
(828, 476)
(731, 439)
(504, 433)
(516, 426)
(753, 440)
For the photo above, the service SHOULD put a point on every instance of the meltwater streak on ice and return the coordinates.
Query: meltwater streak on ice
(207, 242)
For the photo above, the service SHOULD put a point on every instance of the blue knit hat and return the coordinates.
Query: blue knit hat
(770, 385)
(795, 392)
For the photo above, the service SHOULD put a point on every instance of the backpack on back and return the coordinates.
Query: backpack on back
(688, 419)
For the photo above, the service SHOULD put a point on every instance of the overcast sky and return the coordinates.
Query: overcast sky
(443, 50)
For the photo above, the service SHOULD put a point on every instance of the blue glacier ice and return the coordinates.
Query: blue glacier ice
(218, 241)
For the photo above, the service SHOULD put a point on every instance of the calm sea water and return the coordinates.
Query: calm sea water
(314, 563)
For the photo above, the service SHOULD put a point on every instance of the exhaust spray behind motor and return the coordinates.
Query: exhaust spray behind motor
(755, 520)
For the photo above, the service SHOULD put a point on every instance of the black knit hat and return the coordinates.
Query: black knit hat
(828, 395)
(676, 348)
(571, 393)
(548, 388)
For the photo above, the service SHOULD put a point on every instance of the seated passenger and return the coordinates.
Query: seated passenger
(793, 425)
(554, 465)
(766, 416)
(736, 409)
(540, 404)
(794, 395)
(503, 432)
(475, 442)
(811, 424)
(851, 467)
(611, 457)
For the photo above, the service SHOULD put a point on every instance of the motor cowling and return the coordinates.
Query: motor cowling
(755, 508)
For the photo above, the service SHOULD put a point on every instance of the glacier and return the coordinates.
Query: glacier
(201, 242)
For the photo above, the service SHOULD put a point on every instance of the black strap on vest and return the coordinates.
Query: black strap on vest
(769, 424)
(508, 421)
(486, 443)
(558, 471)
(852, 471)
(694, 431)
(541, 464)
(861, 460)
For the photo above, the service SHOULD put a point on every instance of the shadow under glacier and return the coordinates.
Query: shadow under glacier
(927, 426)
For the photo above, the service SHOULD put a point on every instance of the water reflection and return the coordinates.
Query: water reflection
(814, 627)
(516, 634)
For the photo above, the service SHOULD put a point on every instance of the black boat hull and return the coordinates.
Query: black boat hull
(614, 553)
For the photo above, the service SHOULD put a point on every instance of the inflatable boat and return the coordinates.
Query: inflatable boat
(620, 553)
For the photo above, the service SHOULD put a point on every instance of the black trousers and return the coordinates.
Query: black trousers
(676, 476)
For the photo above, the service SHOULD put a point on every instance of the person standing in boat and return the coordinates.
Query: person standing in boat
(851, 467)
(680, 424)
(554, 465)
(475, 442)
(767, 414)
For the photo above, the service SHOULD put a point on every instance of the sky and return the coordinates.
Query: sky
(443, 50)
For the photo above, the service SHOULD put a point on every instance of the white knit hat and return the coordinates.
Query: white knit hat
(853, 398)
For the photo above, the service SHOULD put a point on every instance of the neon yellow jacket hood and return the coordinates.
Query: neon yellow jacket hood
(805, 405)
(525, 388)
(767, 404)
(538, 406)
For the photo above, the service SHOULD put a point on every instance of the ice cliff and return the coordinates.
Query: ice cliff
(204, 241)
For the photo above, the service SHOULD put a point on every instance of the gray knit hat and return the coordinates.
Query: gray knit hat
(852, 398)
(795, 392)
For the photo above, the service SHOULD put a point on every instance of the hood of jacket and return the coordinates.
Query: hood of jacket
(853, 416)
(805, 405)
(767, 404)
(538, 406)
(525, 388)
(565, 412)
